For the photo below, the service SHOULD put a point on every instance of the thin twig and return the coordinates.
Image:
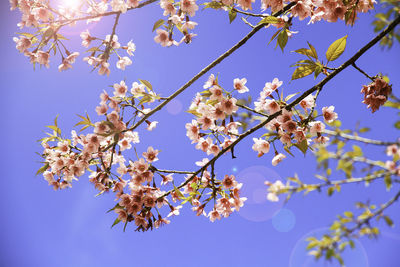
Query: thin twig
(360, 139)
(252, 110)
(363, 72)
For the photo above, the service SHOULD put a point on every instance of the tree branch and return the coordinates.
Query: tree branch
(360, 139)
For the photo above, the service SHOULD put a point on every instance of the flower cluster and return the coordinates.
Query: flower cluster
(376, 93)
(48, 21)
(290, 127)
(99, 57)
(214, 108)
(104, 150)
(178, 18)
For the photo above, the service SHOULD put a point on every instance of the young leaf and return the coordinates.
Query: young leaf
(158, 24)
(314, 52)
(117, 221)
(303, 71)
(232, 15)
(270, 20)
(147, 84)
(282, 39)
(336, 49)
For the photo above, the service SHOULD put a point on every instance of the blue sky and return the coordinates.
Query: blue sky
(41, 227)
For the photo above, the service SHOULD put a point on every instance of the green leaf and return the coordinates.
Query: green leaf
(314, 52)
(49, 32)
(42, 169)
(282, 39)
(117, 221)
(388, 182)
(27, 35)
(147, 84)
(232, 15)
(158, 24)
(194, 112)
(392, 104)
(270, 20)
(388, 221)
(213, 5)
(303, 71)
(318, 70)
(336, 49)
(290, 96)
(304, 51)
(303, 146)
(61, 37)
(93, 49)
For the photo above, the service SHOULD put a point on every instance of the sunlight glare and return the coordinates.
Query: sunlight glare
(71, 4)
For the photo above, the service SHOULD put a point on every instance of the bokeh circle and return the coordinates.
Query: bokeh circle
(257, 208)
(174, 107)
(284, 221)
(299, 257)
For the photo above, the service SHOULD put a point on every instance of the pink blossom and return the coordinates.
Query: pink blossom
(168, 7)
(151, 125)
(123, 62)
(229, 181)
(86, 38)
(174, 211)
(42, 14)
(261, 146)
(278, 158)
(204, 144)
(162, 38)
(189, 7)
(43, 58)
(213, 215)
(131, 47)
(203, 162)
(166, 179)
(316, 127)
(274, 190)
(206, 122)
(392, 150)
(216, 93)
(239, 85)
(119, 6)
(210, 82)
(329, 114)
(229, 105)
(272, 106)
(245, 4)
(104, 68)
(114, 43)
(132, 3)
(269, 88)
(307, 102)
(120, 89)
(140, 166)
(151, 154)
(23, 43)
